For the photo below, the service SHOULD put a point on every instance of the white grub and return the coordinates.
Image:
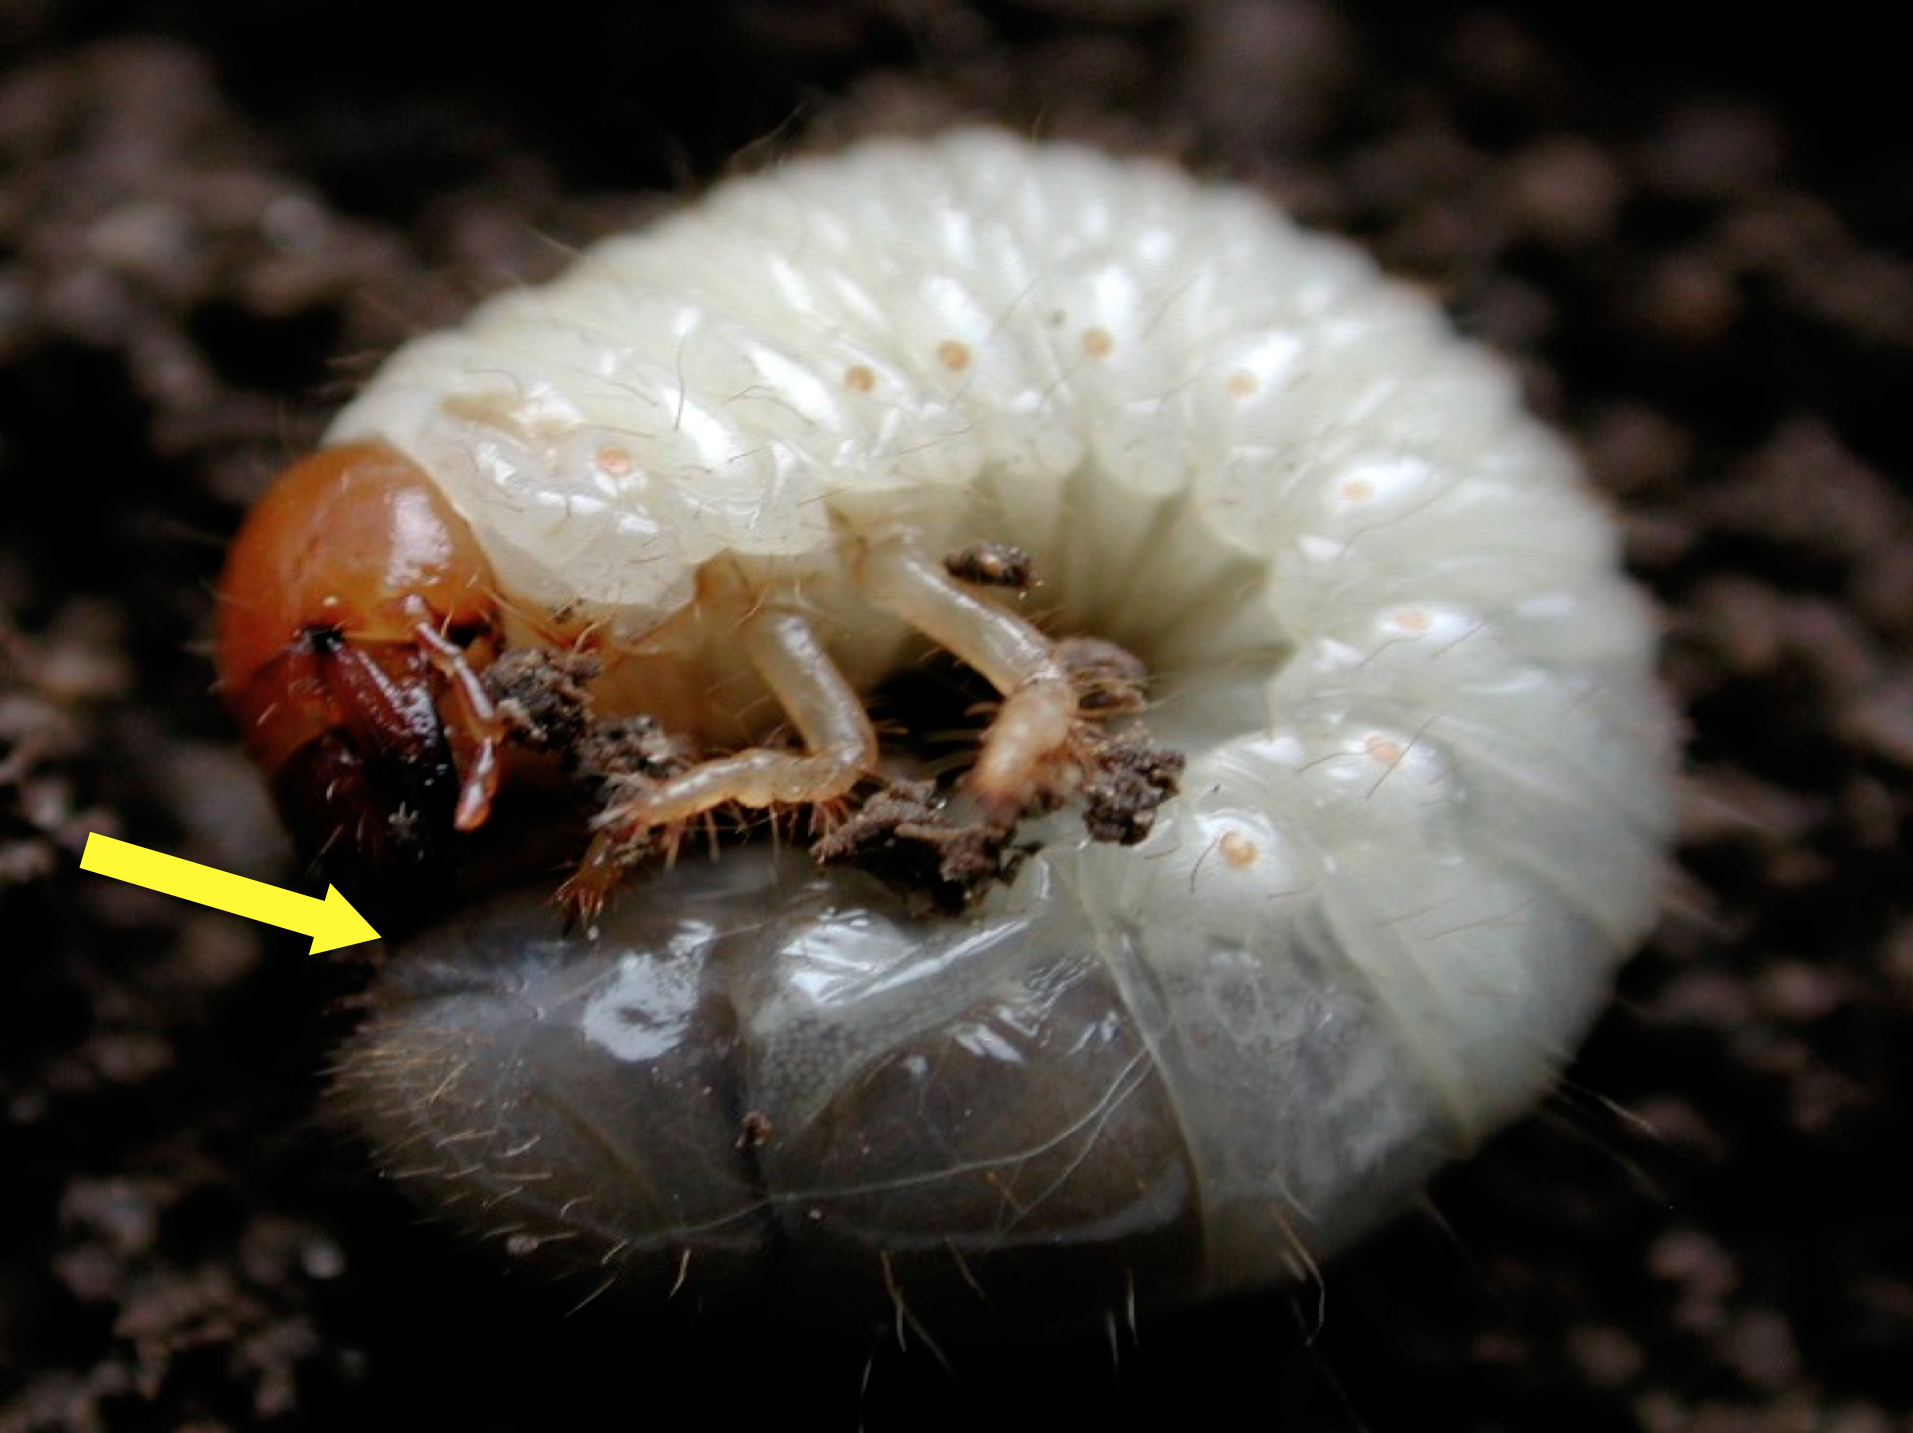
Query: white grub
(1428, 781)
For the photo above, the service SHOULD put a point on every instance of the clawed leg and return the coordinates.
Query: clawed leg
(1046, 743)
(1049, 743)
(840, 748)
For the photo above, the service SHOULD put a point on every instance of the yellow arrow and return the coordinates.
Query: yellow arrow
(331, 922)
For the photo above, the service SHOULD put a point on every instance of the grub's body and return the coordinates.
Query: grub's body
(1427, 782)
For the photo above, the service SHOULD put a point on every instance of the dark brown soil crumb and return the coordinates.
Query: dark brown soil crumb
(1125, 785)
(993, 564)
(905, 836)
(543, 697)
(1695, 241)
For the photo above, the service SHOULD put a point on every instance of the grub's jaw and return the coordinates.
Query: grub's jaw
(371, 795)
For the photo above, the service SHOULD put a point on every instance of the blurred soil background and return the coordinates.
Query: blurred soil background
(1692, 231)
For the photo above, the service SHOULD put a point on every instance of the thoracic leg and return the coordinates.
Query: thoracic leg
(839, 745)
(840, 748)
(1034, 727)
(1051, 740)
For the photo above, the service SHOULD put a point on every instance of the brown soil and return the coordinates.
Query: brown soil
(214, 218)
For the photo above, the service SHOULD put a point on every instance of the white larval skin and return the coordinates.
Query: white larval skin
(1429, 772)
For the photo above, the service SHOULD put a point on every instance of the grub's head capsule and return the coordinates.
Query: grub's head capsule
(354, 614)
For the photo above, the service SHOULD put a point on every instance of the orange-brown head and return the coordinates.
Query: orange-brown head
(355, 612)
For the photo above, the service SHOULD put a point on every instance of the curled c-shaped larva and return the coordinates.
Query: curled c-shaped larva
(1421, 819)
